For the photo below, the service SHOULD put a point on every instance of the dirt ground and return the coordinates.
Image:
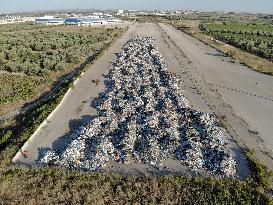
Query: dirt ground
(211, 83)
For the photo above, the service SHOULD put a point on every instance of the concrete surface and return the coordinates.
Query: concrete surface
(248, 92)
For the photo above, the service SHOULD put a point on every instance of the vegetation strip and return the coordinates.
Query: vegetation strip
(25, 109)
(60, 186)
(252, 37)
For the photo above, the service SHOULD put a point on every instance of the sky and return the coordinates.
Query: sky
(257, 6)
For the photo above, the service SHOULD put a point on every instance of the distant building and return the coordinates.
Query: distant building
(108, 15)
(97, 14)
(120, 12)
(49, 20)
(2, 21)
(76, 21)
(72, 22)
(91, 22)
(28, 19)
(99, 21)
(43, 20)
(56, 21)
(113, 20)
(94, 17)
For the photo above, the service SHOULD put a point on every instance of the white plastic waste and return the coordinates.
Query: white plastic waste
(143, 116)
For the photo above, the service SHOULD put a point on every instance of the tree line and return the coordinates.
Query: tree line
(254, 38)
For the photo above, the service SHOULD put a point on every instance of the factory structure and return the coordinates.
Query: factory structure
(76, 21)
(16, 19)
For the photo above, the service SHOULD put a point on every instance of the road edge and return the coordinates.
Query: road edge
(44, 123)
(14, 160)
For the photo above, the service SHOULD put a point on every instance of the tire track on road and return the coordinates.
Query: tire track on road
(218, 105)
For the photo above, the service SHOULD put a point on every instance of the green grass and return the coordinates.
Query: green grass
(253, 28)
(37, 52)
(261, 176)
(16, 87)
(5, 138)
(55, 186)
(33, 60)
(256, 38)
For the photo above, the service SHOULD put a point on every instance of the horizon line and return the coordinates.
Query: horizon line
(108, 9)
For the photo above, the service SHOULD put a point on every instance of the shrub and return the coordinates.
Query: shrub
(49, 64)
(4, 139)
(60, 66)
(11, 66)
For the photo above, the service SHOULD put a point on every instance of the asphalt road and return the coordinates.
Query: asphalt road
(212, 84)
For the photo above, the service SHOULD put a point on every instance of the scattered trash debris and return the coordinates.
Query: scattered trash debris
(97, 81)
(25, 154)
(254, 132)
(143, 116)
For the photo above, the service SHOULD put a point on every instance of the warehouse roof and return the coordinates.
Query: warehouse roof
(72, 20)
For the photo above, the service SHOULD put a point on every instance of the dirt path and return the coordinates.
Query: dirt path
(201, 86)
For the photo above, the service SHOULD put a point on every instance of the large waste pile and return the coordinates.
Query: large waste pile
(144, 117)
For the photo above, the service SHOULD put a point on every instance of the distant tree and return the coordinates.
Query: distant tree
(31, 68)
(11, 66)
(72, 56)
(34, 57)
(44, 72)
(2, 58)
(59, 66)
(38, 46)
(49, 64)
(47, 47)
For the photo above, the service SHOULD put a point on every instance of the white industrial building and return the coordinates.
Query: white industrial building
(56, 21)
(16, 19)
(76, 21)
(43, 20)
(99, 21)
(94, 17)
(3, 21)
(120, 12)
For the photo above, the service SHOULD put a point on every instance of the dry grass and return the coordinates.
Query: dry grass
(56, 186)
(254, 62)
(17, 90)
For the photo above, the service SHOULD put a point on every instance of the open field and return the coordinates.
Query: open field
(21, 27)
(43, 57)
(251, 37)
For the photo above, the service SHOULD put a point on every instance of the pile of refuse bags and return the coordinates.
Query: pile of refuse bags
(144, 117)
